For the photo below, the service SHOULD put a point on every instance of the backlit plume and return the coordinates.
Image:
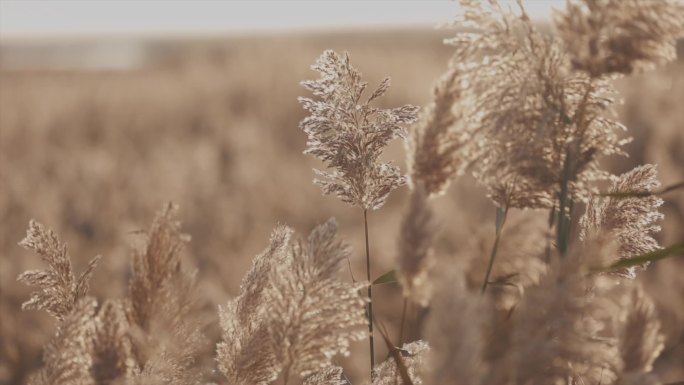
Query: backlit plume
(348, 133)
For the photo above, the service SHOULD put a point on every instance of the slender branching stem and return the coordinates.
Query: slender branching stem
(370, 295)
(401, 324)
(495, 247)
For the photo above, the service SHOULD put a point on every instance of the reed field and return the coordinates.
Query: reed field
(508, 209)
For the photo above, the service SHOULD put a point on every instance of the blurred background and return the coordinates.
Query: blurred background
(108, 109)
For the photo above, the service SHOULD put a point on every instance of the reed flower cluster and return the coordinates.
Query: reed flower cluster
(148, 337)
(629, 212)
(348, 133)
(533, 122)
(613, 36)
(293, 315)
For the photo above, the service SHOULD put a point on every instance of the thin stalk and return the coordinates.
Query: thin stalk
(370, 296)
(565, 203)
(552, 220)
(500, 224)
(401, 325)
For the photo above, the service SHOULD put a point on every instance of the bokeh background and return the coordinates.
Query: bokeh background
(103, 120)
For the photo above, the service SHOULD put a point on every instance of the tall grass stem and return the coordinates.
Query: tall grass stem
(370, 296)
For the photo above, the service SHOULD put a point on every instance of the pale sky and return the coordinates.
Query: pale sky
(57, 18)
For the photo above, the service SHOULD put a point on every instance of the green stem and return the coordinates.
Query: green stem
(495, 247)
(401, 325)
(565, 204)
(549, 236)
(370, 296)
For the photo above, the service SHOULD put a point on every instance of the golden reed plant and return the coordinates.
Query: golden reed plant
(528, 115)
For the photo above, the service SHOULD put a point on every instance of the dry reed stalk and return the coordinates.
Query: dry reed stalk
(349, 134)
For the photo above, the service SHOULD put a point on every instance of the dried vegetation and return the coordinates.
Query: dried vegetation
(556, 289)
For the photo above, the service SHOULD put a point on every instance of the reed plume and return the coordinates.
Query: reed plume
(301, 314)
(161, 308)
(348, 133)
(112, 349)
(533, 122)
(154, 266)
(641, 341)
(629, 213)
(415, 257)
(562, 332)
(60, 290)
(455, 331)
(328, 376)
(150, 337)
(244, 354)
(436, 143)
(607, 37)
(66, 358)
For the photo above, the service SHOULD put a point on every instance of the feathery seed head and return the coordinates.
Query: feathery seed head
(620, 36)
(329, 376)
(348, 133)
(299, 317)
(415, 257)
(413, 355)
(641, 341)
(455, 331)
(59, 287)
(528, 115)
(436, 146)
(562, 330)
(67, 358)
(629, 213)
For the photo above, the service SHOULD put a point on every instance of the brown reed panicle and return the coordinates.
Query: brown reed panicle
(455, 330)
(112, 352)
(533, 122)
(641, 341)
(155, 265)
(59, 287)
(348, 133)
(436, 143)
(329, 376)
(244, 355)
(629, 213)
(168, 351)
(606, 37)
(302, 315)
(574, 327)
(161, 308)
(415, 257)
(67, 358)
(414, 357)
(151, 339)
(563, 331)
